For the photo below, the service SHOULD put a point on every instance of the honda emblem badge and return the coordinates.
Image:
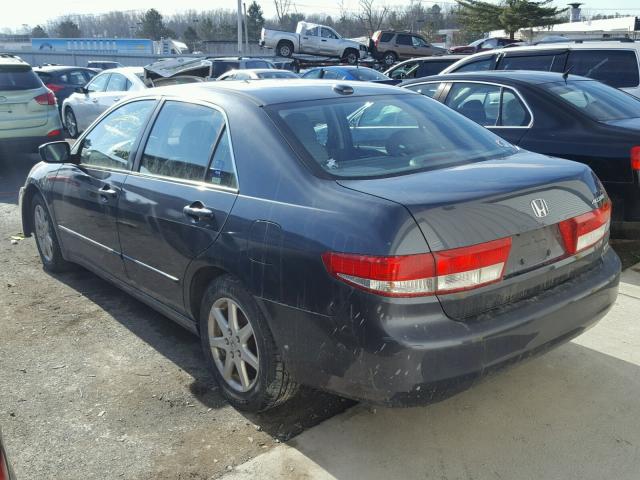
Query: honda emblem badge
(540, 207)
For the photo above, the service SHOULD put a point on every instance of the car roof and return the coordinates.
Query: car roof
(59, 68)
(271, 92)
(8, 59)
(509, 76)
(124, 70)
(236, 59)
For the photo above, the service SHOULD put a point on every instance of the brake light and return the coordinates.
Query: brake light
(376, 38)
(53, 87)
(46, 98)
(635, 158)
(54, 133)
(584, 231)
(423, 274)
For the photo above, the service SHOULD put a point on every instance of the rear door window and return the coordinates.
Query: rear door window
(616, 68)
(18, 78)
(117, 83)
(542, 63)
(426, 69)
(404, 40)
(181, 145)
(426, 89)
(475, 66)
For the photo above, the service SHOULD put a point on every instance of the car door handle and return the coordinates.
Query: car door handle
(107, 192)
(116, 99)
(323, 40)
(197, 211)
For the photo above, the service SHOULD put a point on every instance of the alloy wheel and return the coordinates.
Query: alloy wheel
(43, 232)
(71, 123)
(233, 344)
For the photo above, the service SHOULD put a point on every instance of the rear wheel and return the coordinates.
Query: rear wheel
(71, 123)
(284, 49)
(389, 58)
(46, 239)
(240, 349)
(350, 56)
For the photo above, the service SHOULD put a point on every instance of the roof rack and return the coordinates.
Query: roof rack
(583, 40)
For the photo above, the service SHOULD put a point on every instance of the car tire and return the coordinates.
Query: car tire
(351, 56)
(233, 349)
(46, 238)
(389, 58)
(284, 49)
(70, 122)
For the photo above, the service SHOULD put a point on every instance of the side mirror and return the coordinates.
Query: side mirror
(81, 90)
(55, 152)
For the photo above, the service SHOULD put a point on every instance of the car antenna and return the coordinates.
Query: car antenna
(565, 75)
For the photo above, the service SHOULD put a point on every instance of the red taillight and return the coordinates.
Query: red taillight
(54, 133)
(4, 470)
(584, 231)
(46, 98)
(422, 274)
(53, 87)
(635, 158)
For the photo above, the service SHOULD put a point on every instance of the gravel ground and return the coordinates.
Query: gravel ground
(97, 385)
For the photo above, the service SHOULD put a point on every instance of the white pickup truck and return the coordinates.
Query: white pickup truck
(315, 40)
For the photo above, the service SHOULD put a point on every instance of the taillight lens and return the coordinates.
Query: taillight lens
(423, 274)
(54, 133)
(4, 469)
(635, 158)
(584, 231)
(46, 98)
(53, 87)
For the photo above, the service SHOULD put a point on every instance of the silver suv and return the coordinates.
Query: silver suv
(28, 110)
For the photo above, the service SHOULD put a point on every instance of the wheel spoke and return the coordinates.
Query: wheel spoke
(220, 342)
(245, 333)
(250, 358)
(221, 321)
(241, 366)
(228, 368)
(232, 311)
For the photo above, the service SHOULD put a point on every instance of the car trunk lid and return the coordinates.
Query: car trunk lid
(522, 197)
(19, 109)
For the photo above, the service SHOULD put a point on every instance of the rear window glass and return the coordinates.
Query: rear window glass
(276, 74)
(433, 68)
(596, 100)
(617, 68)
(18, 78)
(44, 76)
(222, 67)
(384, 135)
(479, 65)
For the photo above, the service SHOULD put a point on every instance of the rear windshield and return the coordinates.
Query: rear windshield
(367, 74)
(596, 100)
(384, 135)
(276, 74)
(18, 78)
(223, 66)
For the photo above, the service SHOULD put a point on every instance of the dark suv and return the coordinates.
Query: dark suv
(389, 46)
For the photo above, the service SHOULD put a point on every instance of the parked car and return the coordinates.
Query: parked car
(80, 109)
(383, 247)
(560, 115)
(313, 39)
(28, 110)
(63, 81)
(615, 63)
(257, 74)
(103, 64)
(421, 67)
(484, 44)
(5, 469)
(348, 72)
(390, 46)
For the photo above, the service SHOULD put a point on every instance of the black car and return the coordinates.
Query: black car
(353, 237)
(421, 67)
(564, 116)
(63, 81)
(103, 64)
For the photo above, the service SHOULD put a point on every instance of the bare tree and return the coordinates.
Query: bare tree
(282, 9)
(372, 16)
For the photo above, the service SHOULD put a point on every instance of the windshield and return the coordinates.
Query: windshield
(18, 78)
(596, 100)
(367, 74)
(384, 135)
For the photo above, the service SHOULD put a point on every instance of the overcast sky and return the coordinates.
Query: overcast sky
(32, 12)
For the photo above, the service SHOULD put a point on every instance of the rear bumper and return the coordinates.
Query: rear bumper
(26, 144)
(392, 355)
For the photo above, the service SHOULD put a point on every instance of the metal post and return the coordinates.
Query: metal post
(240, 27)
(246, 27)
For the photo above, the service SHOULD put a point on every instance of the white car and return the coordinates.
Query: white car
(81, 108)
